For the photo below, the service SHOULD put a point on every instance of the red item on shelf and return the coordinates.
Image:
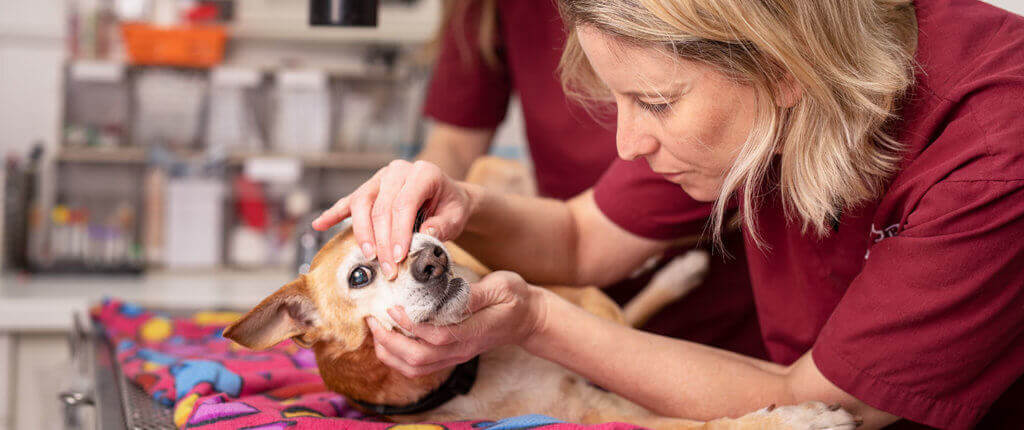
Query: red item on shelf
(250, 203)
(202, 13)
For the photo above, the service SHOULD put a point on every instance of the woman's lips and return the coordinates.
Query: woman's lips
(676, 177)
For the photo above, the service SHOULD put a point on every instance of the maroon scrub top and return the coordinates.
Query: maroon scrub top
(570, 151)
(913, 303)
(569, 148)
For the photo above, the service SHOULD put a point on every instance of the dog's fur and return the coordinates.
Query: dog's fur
(321, 311)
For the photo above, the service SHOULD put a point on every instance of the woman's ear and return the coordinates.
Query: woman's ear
(789, 92)
(288, 313)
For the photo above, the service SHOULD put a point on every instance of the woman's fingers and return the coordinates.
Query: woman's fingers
(432, 334)
(451, 209)
(362, 225)
(442, 225)
(406, 354)
(334, 215)
(422, 182)
(358, 206)
(390, 184)
(404, 368)
(496, 287)
(384, 210)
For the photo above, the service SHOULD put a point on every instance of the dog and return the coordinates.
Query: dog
(325, 310)
(502, 175)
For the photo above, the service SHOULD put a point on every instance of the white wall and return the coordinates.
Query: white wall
(31, 53)
(1016, 6)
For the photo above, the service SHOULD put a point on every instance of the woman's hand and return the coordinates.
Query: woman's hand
(383, 210)
(505, 310)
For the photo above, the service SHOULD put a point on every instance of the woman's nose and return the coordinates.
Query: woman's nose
(630, 139)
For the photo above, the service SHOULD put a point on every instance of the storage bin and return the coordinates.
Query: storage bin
(184, 46)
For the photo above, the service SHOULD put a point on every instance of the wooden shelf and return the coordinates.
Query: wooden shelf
(137, 156)
(101, 155)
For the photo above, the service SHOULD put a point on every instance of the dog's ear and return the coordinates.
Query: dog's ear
(288, 313)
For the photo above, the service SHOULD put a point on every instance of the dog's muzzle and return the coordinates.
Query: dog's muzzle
(430, 266)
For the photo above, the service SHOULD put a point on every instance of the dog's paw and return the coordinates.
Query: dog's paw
(808, 416)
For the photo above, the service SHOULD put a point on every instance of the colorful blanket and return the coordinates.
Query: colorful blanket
(212, 383)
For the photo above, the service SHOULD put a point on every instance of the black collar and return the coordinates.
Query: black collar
(459, 382)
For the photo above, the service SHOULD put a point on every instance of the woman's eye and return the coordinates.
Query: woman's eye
(652, 107)
(360, 277)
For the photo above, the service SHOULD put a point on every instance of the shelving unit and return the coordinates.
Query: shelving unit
(95, 166)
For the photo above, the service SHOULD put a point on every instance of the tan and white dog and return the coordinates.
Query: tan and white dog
(325, 310)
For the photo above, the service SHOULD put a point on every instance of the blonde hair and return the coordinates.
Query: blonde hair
(455, 15)
(851, 59)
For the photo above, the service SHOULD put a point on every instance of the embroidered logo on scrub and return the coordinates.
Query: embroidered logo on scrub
(880, 235)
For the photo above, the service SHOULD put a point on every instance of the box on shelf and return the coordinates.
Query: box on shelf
(302, 112)
(169, 107)
(193, 222)
(97, 104)
(183, 46)
(232, 123)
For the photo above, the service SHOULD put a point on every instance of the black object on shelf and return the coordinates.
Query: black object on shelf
(343, 13)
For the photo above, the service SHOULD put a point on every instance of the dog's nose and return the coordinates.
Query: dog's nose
(429, 264)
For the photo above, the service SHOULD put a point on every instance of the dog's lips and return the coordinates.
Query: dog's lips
(446, 296)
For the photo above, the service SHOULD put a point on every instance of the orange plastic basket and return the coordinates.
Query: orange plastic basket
(185, 46)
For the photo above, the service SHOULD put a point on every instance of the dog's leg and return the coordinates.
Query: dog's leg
(672, 282)
(592, 300)
(502, 175)
(810, 415)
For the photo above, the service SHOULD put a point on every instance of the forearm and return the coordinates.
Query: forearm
(668, 376)
(532, 236)
(453, 149)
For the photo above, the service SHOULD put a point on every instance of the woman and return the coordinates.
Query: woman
(874, 148)
(490, 49)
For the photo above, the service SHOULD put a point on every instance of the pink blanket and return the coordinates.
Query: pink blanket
(212, 383)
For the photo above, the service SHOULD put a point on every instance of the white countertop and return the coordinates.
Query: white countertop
(47, 303)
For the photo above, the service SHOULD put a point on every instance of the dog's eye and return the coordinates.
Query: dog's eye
(361, 276)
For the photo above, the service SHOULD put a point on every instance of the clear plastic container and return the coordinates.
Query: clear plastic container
(170, 105)
(302, 112)
(232, 122)
(97, 105)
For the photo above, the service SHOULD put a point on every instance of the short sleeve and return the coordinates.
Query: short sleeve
(464, 90)
(645, 204)
(932, 329)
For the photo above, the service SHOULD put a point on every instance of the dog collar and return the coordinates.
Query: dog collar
(459, 382)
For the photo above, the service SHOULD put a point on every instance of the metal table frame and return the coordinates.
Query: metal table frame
(118, 402)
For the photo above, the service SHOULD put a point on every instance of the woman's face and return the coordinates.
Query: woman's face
(687, 120)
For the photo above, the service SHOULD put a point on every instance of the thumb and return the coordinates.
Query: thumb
(479, 297)
(436, 226)
(491, 290)
(446, 218)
